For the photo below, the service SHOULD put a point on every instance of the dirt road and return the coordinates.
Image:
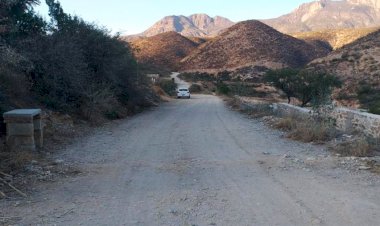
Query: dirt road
(196, 162)
(180, 83)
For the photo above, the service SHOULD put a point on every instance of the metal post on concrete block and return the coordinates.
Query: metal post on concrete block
(24, 129)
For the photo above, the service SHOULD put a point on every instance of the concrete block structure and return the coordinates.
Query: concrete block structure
(24, 129)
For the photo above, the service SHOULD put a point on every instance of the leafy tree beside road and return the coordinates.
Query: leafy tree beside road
(285, 80)
(307, 86)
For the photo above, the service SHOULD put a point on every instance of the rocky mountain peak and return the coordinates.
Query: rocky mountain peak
(329, 14)
(196, 25)
(372, 3)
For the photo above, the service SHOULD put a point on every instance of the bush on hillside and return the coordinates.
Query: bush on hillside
(369, 98)
(197, 77)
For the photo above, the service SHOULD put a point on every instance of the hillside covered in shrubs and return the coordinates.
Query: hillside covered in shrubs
(65, 64)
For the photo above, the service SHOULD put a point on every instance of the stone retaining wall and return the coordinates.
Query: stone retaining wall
(350, 120)
(347, 120)
(282, 109)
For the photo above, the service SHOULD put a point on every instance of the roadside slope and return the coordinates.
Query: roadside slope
(164, 50)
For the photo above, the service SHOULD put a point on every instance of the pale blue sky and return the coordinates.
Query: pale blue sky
(134, 16)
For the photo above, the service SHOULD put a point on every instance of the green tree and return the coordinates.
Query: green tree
(369, 97)
(284, 79)
(306, 86)
(315, 87)
(19, 20)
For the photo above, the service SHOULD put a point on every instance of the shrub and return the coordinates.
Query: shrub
(369, 97)
(359, 147)
(222, 88)
(312, 131)
(68, 64)
(316, 87)
(307, 129)
(112, 115)
(224, 76)
(169, 86)
(11, 161)
(375, 107)
(287, 123)
(197, 76)
(259, 111)
(285, 80)
(245, 89)
(195, 88)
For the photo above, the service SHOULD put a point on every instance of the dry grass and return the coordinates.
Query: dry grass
(260, 111)
(375, 166)
(359, 147)
(11, 161)
(306, 130)
(286, 124)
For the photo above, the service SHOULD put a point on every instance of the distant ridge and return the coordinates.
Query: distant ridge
(329, 14)
(196, 25)
(252, 43)
(312, 16)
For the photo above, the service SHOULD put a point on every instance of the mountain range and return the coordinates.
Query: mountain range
(338, 37)
(252, 43)
(312, 16)
(329, 14)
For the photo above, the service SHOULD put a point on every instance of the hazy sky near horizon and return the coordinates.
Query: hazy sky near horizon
(134, 16)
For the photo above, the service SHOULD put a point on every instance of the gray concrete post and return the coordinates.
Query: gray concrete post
(24, 129)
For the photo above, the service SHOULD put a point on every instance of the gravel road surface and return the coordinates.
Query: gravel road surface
(196, 162)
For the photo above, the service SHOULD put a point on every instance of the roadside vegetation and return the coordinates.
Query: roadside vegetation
(64, 65)
(313, 128)
(168, 85)
(307, 130)
(222, 83)
(308, 87)
(195, 88)
(314, 91)
(369, 98)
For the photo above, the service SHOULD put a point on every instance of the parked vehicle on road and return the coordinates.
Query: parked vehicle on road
(183, 93)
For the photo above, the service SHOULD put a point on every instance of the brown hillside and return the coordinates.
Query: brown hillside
(252, 43)
(356, 64)
(336, 38)
(165, 50)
